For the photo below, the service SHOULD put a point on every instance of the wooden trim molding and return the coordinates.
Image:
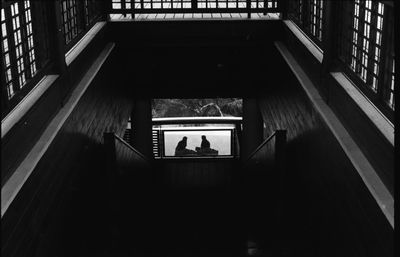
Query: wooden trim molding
(27, 102)
(377, 118)
(307, 42)
(74, 52)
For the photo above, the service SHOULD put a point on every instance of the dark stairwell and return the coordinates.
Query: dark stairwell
(315, 204)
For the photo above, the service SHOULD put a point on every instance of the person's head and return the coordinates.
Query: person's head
(203, 137)
(184, 138)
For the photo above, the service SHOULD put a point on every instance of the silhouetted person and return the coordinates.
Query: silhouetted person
(181, 144)
(205, 149)
(181, 150)
(204, 142)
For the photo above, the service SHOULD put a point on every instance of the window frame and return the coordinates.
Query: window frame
(82, 20)
(20, 91)
(344, 56)
(303, 18)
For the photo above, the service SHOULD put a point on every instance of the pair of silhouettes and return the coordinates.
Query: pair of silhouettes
(181, 147)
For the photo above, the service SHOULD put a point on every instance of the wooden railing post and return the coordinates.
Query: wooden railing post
(265, 7)
(248, 7)
(133, 8)
(194, 4)
(123, 7)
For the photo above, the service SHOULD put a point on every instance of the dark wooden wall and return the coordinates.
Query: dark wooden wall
(373, 144)
(198, 173)
(197, 59)
(17, 143)
(69, 183)
(325, 201)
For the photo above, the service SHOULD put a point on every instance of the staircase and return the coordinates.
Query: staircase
(197, 207)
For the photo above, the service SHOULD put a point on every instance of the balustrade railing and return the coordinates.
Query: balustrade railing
(121, 155)
(271, 150)
(194, 6)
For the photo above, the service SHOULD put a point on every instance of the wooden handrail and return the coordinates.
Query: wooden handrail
(260, 146)
(197, 120)
(132, 148)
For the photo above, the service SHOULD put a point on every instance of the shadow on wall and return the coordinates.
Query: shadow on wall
(78, 220)
(330, 199)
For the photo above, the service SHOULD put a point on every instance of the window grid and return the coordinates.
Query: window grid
(29, 34)
(366, 41)
(390, 92)
(18, 50)
(70, 20)
(366, 49)
(388, 86)
(316, 16)
(308, 15)
(6, 54)
(17, 33)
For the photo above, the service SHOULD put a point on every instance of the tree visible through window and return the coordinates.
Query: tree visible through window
(162, 108)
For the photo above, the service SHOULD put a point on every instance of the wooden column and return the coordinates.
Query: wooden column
(59, 49)
(57, 39)
(283, 5)
(107, 9)
(248, 7)
(329, 28)
(252, 135)
(142, 127)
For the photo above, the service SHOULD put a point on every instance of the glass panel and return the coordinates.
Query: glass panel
(198, 143)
